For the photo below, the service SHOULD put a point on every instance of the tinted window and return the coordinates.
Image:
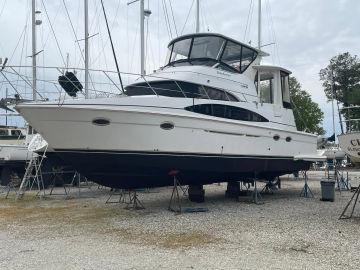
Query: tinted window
(178, 89)
(229, 112)
(3, 132)
(15, 132)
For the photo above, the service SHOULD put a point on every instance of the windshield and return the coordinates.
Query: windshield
(206, 47)
(209, 50)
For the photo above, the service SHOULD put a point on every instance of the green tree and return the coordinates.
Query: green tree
(343, 72)
(308, 115)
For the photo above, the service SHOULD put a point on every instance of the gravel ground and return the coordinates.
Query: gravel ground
(286, 232)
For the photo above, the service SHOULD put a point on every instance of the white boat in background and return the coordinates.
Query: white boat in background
(350, 140)
(212, 113)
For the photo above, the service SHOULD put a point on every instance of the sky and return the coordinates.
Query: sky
(306, 33)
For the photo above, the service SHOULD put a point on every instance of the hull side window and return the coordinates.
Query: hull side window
(228, 112)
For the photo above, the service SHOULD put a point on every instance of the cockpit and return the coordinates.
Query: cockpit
(210, 50)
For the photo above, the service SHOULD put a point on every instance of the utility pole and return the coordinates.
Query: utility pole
(86, 11)
(197, 16)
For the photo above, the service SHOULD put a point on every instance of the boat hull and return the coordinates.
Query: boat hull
(133, 149)
(350, 144)
(146, 169)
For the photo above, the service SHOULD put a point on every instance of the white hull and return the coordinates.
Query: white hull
(134, 151)
(350, 143)
(138, 129)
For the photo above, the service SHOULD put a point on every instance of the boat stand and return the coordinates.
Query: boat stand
(174, 203)
(116, 192)
(134, 203)
(354, 199)
(306, 191)
(270, 187)
(256, 196)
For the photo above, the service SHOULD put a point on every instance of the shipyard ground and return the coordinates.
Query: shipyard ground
(286, 232)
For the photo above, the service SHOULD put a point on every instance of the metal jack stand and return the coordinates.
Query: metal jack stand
(256, 196)
(116, 192)
(356, 196)
(306, 191)
(271, 186)
(134, 203)
(174, 203)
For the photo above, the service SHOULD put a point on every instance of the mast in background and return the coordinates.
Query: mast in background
(143, 13)
(33, 31)
(34, 23)
(86, 11)
(142, 38)
(259, 26)
(197, 16)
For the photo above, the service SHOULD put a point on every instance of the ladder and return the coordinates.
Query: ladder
(33, 175)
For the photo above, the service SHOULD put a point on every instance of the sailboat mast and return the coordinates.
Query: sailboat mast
(33, 32)
(259, 26)
(86, 11)
(142, 38)
(197, 16)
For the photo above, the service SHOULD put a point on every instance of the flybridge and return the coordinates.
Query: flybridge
(212, 50)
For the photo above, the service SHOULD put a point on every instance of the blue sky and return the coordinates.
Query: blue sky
(307, 33)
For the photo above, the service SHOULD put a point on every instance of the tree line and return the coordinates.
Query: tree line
(341, 82)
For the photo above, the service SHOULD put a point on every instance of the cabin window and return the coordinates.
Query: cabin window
(206, 47)
(266, 87)
(3, 132)
(181, 50)
(247, 56)
(179, 89)
(228, 112)
(285, 91)
(232, 55)
(15, 132)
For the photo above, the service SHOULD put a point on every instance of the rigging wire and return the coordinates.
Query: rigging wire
(173, 17)
(187, 17)
(52, 29)
(112, 47)
(167, 21)
(248, 20)
(274, 32)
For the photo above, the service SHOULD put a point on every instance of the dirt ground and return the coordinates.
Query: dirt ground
(83, 232)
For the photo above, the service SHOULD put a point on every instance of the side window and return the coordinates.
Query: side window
(232, 55)
(15, 132)
(285, 91)
(247, 57)
(181, 50)
(229, 112)
(167, 88)
(192, 90)
(3, 132)
(266, 87)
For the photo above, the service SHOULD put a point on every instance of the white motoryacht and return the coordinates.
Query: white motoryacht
(350, 140)
(212, 114)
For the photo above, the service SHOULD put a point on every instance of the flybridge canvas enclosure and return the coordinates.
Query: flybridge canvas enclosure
(70, 83)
